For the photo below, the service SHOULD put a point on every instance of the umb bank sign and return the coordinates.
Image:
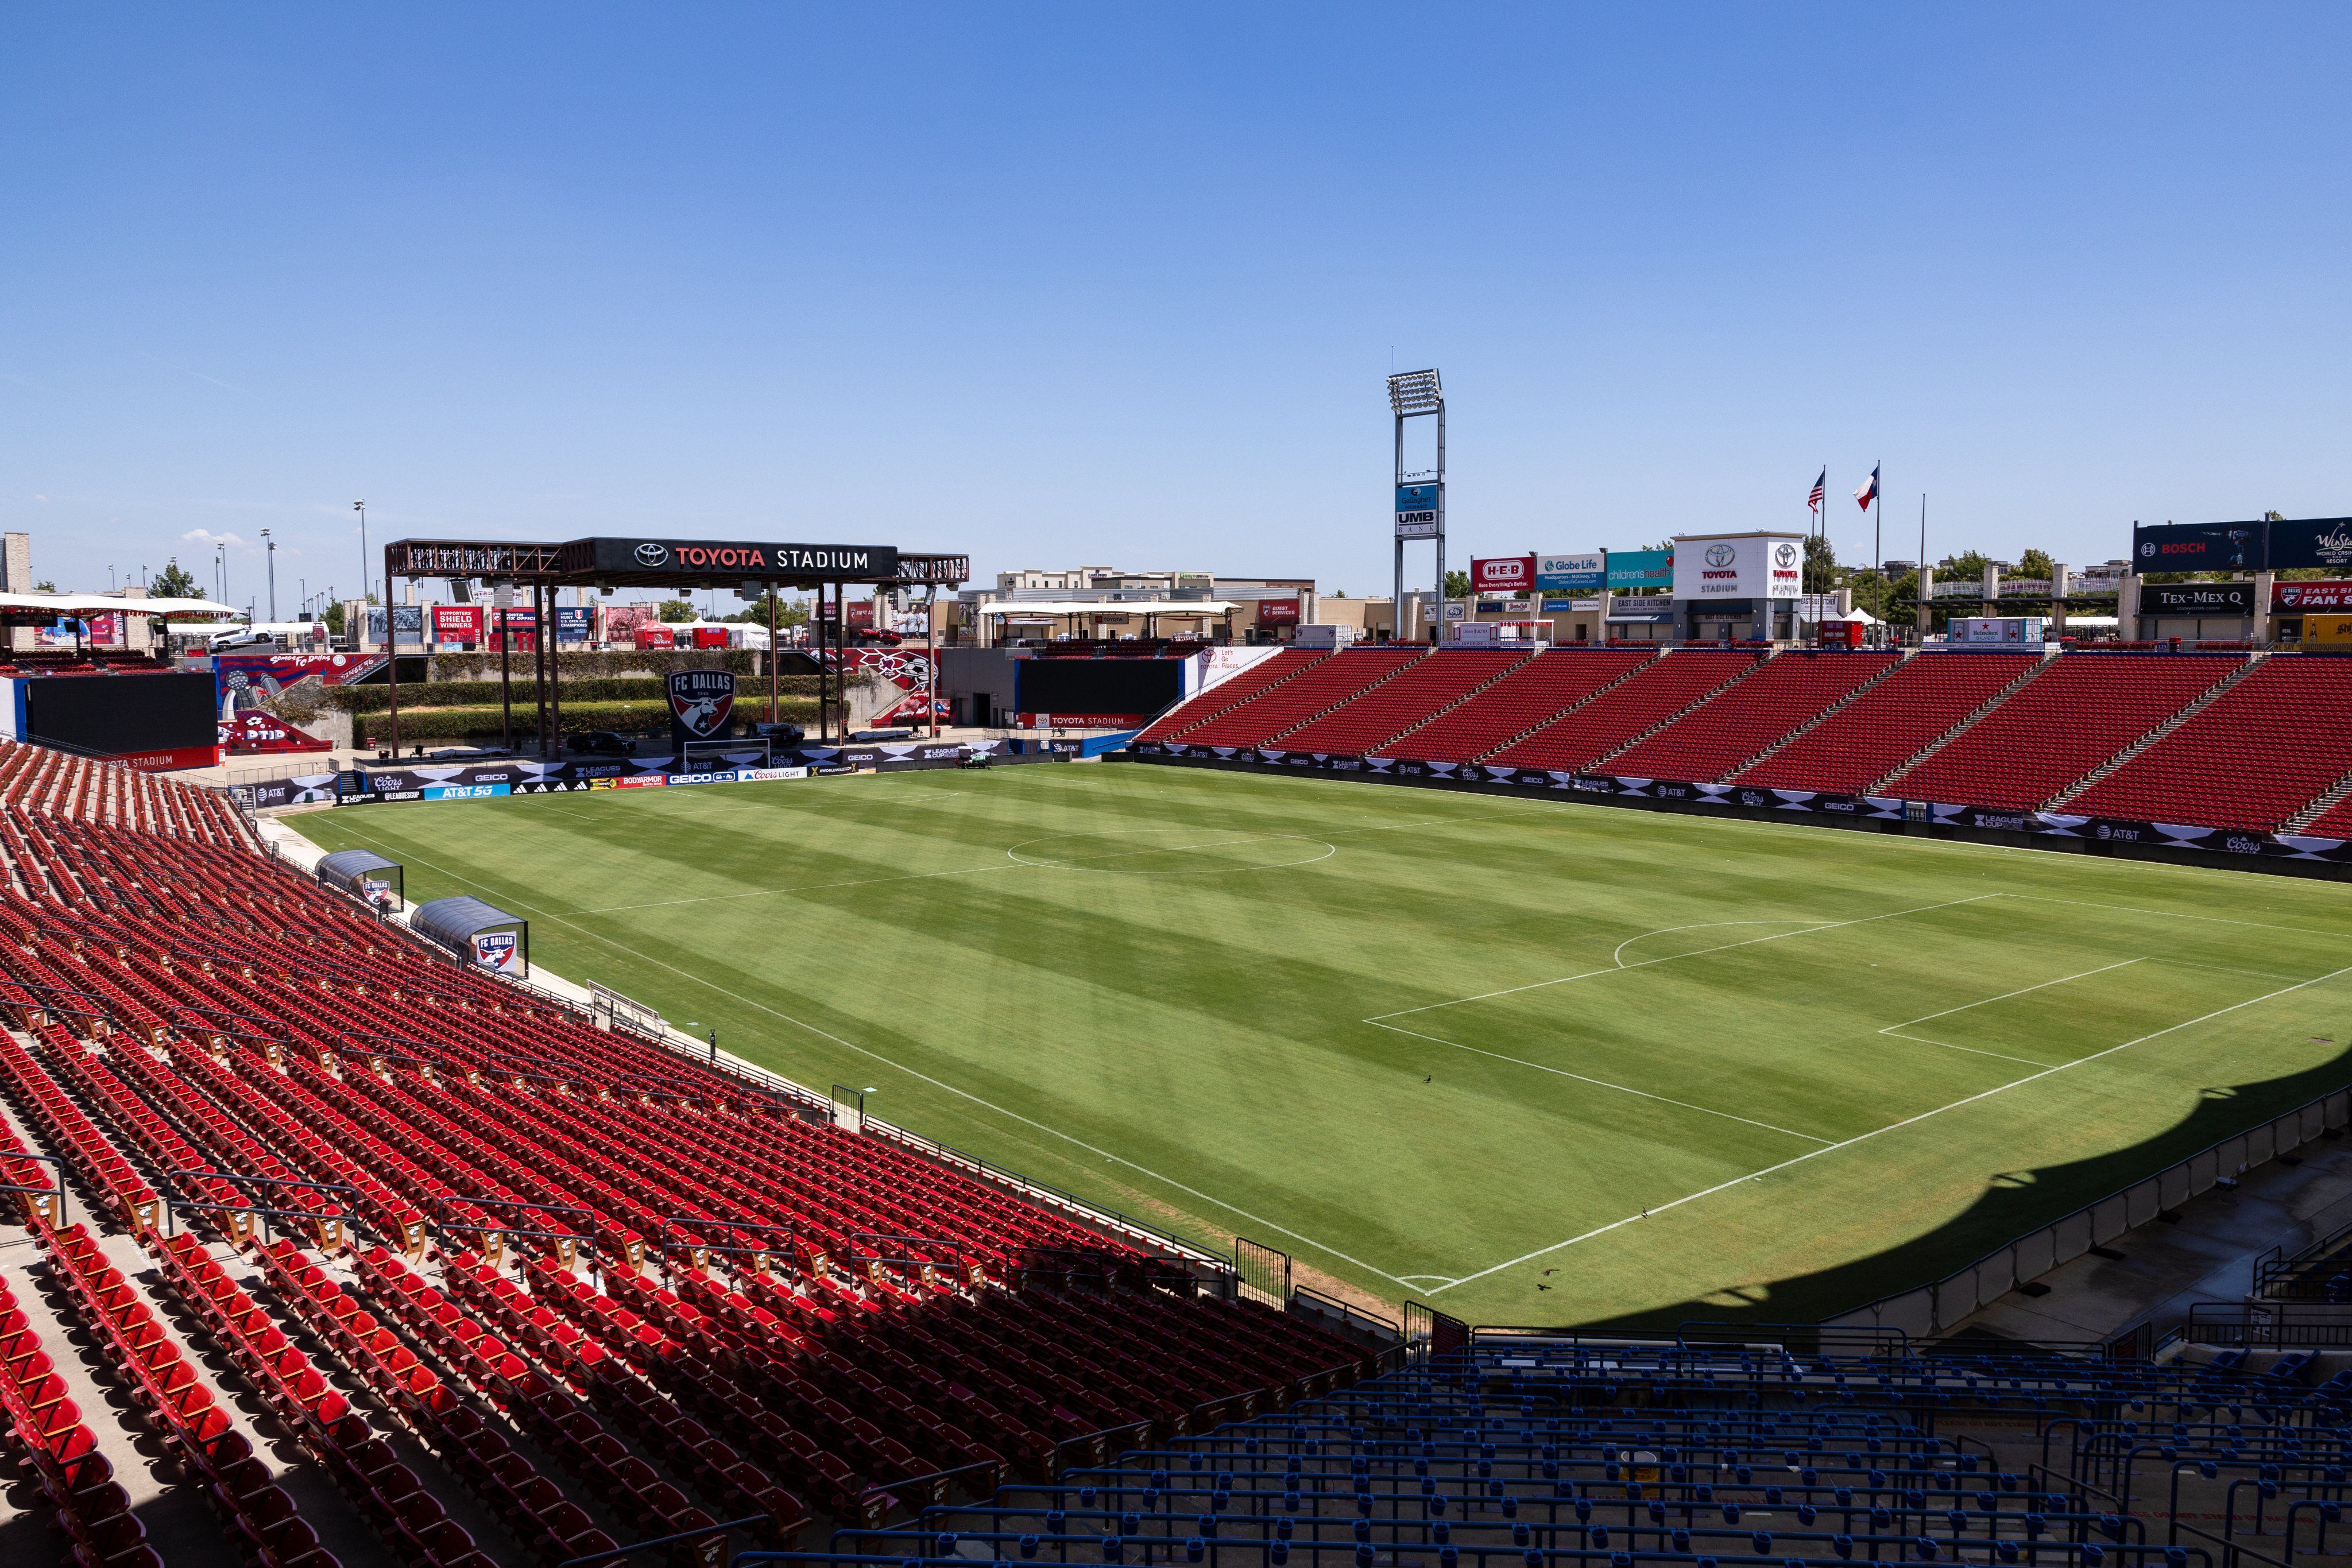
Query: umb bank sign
(1739, 566)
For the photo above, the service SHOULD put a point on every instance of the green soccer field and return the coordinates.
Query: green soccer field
(1529, 1062)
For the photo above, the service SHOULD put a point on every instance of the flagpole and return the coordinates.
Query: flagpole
(1878, 531)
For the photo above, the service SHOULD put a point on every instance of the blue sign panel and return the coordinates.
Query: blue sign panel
(2200, 547)
(1416, 511)
(1641, 568)
(574, 622)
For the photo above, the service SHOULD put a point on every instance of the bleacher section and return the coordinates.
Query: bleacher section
(1777, 699)
(1231, 692)
(605, 1291)
(2075, 714)
(1797, 1450)
(1538, 691)
(1284, 706)
(1655, 693)
(1887, 726)
(2252, 757)
(1433, 683)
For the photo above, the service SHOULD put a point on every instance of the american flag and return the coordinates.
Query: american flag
(1813, 501)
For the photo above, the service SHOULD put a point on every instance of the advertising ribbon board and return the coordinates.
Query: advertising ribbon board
(2302, 596)
(2201, 547)
(2197, 598)
(1502, 574)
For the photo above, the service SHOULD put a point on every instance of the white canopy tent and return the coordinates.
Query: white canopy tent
(82, 605)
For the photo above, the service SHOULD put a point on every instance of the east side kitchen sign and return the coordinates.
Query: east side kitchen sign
(1739, 566)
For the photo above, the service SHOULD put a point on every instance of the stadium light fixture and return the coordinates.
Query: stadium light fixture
(1415, 392)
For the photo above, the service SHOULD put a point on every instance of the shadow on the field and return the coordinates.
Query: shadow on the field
(2013, 1204)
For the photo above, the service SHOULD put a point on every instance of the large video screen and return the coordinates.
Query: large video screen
(1099, 685)
(115, 714)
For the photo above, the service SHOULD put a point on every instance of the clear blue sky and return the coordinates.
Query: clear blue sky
(1120, 284)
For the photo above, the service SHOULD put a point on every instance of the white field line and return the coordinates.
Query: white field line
(1599, 1082)
(936, 1082)
(1617, 957)
(2176, 914)
(1673, 957)
(1893, 1128)
(1971, 1050)
(2022, 991)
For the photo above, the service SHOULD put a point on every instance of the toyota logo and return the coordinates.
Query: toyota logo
(652, 554)
(1786, 555)
(1720, 556)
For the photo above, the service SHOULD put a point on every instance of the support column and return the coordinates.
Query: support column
(1924, 614)
(2127, 607)
(554, 680)
(501, 600)
(774, 680)
(2061, 580)
(391, 652)
(2263, 589)
(539, 667)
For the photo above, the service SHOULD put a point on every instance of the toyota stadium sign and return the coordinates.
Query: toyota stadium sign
(1739, 566)
(732, 557)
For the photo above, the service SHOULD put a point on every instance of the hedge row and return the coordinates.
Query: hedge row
(586, 689)
(586, 664)
(480, 723)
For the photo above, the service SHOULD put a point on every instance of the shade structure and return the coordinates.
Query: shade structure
(480, 934)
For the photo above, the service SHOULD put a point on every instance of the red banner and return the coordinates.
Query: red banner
(170, 761)
(1502, 574)
(457, 623)
(255, 733)
(2334, 594)
(1277, 611)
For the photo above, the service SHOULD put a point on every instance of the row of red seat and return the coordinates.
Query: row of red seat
(1288, 704)
(179, 1407)
(2252, 757)
(1426, 688)
(46, 1435)
(1774, 700)
(1232, 692)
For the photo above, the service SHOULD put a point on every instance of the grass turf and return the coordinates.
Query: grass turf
(1441, 1045)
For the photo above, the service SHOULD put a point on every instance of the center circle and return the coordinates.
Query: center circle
(1170, 852)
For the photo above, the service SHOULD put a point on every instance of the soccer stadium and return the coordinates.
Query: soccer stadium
(711, 1005)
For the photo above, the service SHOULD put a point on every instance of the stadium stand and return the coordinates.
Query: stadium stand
(1308, 694)
(2076, 713)
(1427, 688)
(1230, 693)
(1810, 1451)
(1789, 691)
(1657, 691)
(1530, 695)
(1884, 728)
(2252, 757)
(615, 1293)
(2335, 821)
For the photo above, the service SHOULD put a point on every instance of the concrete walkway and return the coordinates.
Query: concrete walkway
(2209, 1255)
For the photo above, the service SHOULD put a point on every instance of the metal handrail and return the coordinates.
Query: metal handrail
(705, 1533)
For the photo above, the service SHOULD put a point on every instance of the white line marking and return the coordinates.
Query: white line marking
(1972, 1050)
(2022, 991)
(1618, 957)
(2224, 969)
(1893, 1126)
(1596, 1082)
(1693, 953)
(911, 1072)
(1076, 862)
(2174, 913)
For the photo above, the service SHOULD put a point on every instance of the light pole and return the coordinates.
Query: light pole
(220, 570)
(1420, 507)
(360, 507)
(270, 548)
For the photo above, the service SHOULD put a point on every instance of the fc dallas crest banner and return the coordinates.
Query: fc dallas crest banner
(699, 704)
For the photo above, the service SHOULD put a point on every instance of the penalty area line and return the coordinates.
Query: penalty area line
(1892, 1127)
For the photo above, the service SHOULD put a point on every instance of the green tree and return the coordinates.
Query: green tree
(45, 586)
(2036, 564)
(1968, 564)
(174, 581)
(1821, 565)
(789, 611)
(1457, 585)
(675, 609)
(335, 618)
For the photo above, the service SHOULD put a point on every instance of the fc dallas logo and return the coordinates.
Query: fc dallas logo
(701, 700)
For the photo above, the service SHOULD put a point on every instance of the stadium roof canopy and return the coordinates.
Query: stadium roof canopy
(81, 605)
(1055, 606)
(633, 561)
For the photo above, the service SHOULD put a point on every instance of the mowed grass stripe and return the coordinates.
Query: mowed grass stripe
(1209, 1027)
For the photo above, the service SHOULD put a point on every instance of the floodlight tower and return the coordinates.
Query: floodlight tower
(1419, 496)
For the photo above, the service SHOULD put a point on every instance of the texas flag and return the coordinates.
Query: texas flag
(1869, 491)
